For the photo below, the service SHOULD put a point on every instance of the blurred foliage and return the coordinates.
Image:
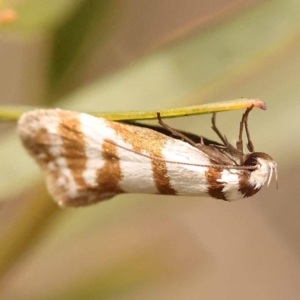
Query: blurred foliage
(74, 41)
(101, 251)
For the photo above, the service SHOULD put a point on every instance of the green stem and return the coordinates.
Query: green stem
(13, 113)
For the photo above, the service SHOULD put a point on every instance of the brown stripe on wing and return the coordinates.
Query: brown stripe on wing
(38, 146)
(73, 145)
(109, 176)
(214, 187)
(38, 143)
(246, 189)
(144, 139)
(160, 171)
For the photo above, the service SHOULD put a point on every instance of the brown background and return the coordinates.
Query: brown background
(152, 55)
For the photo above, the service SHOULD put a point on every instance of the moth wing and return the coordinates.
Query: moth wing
(55, 140)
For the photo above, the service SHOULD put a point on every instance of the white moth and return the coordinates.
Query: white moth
(87, 159)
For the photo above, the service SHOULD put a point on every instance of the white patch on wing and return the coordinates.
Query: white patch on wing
(185, 179)
(61, 181)
(137, 171)
(95, 130)
(52, 166)
(42, 156)
(230, 179)
(55, 150)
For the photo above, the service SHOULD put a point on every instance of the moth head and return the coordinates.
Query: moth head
(265, 166)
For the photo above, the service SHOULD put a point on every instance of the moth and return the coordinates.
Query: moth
(87, 159)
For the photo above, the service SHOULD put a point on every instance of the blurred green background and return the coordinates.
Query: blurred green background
(119, 55)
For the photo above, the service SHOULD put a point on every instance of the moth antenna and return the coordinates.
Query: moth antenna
(228, 167)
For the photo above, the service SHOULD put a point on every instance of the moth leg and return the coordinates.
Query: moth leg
(250, 145)
(208, 150)
(244, 121)
(175, 132)
(217, 131)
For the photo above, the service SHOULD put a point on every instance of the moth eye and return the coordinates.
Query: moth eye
(251, 161)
